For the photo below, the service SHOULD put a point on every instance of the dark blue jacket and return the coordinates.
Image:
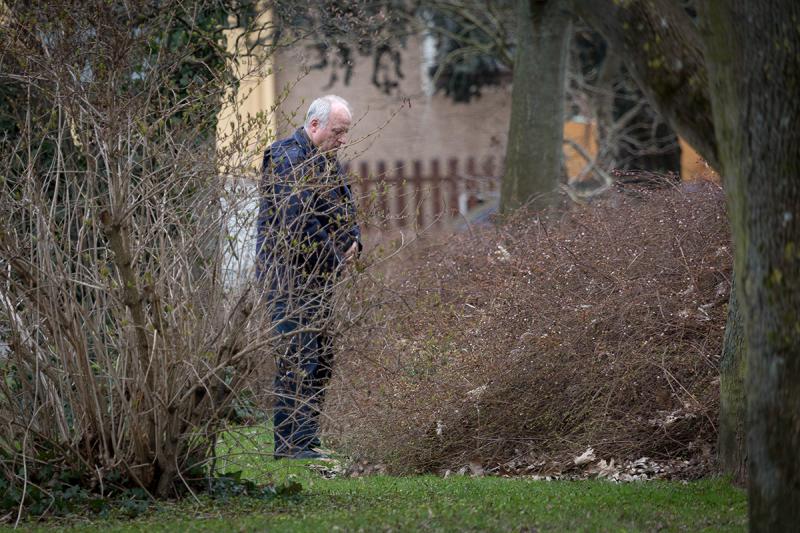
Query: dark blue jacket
(306, 218)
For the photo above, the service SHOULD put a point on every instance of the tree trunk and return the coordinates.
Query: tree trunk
(662, 49)
(534, 153)
(733, 400)
(755, 78)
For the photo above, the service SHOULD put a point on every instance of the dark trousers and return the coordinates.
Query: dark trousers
(304, 367)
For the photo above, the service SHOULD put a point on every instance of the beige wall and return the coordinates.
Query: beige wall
(411, 125)
(408, 125)
(246, 122)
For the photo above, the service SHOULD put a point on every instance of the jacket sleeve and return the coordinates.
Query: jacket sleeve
(285, 175)
(353, 233)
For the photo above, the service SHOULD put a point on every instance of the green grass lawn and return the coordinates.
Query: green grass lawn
(429, 503)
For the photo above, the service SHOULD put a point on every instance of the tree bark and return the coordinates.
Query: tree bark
(663, 52)
(755, 77)
(733, 399)
(534, 152)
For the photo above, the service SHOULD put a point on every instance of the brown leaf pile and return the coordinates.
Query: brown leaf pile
(530, 341)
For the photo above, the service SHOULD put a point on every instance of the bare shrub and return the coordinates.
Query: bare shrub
(132, 321)
(539, 337)
(128, 343)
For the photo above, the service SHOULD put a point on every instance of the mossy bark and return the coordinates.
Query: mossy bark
(733, 397)
(755, 78)
(534, 152)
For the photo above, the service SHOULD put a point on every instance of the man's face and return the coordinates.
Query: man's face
(334, 135)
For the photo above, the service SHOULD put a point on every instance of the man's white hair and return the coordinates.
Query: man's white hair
(320, 109)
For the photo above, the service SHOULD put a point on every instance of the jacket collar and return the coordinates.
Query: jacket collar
(312, 152)
(302, 139)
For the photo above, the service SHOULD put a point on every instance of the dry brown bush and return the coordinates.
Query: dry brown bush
(534, 339)
(128, 334)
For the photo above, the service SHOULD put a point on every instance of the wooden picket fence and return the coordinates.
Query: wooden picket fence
(423, 196)
(413, 197)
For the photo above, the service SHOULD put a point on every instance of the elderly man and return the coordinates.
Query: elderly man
(306, 235)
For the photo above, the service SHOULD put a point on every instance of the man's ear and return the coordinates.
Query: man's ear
(314, 123)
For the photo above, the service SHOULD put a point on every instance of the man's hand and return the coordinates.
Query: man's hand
(351, 253)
